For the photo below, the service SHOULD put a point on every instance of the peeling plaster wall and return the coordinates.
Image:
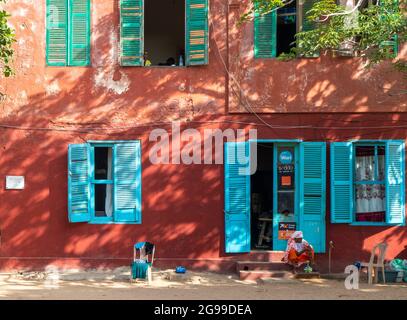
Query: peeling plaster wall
(104, 91)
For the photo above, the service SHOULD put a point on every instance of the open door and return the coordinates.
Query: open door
(237, 197)
(312, 193)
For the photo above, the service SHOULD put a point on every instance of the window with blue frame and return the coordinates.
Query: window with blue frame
(104, 182)
(367, 182)
(370, 187)
(274, 32)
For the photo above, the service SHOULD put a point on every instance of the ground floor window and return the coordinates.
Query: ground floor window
(104, 182)
(370, 189)
(367, 182)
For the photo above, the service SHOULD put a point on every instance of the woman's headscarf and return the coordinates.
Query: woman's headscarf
(296, 235)
(291, 244)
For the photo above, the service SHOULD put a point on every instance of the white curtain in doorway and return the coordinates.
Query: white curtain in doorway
(109, 187)
(369, 197)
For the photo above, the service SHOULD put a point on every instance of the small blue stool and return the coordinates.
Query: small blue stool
(143, 257)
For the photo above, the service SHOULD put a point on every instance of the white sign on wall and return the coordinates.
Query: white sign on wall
(15, 182)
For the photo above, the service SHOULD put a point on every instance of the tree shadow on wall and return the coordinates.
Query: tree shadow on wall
(182, 205)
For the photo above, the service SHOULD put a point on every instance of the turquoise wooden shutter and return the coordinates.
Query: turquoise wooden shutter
(237, 198)
(395, 182)
(312, 193)
(306, 6)
(341, 182)
(79, 32)
(57, 32)
(197, 32)
(305, 24)
(393, 43)
(78, 183)
(127, 182)
(265, 35)
(132, 32)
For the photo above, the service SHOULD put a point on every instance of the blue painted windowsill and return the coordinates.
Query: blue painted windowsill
(376, 224)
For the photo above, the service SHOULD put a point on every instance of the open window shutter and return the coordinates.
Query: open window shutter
(57, 32)
(305, 24)
(132, 32)
(78, 183)
(312, 193)
(127, 182)
(392, 43)
(265, 35)
(237, 198)
(79, 32)
(341, 182)
(395, 182)
(197, 32)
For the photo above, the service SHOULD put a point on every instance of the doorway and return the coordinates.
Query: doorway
(262, 199)
(287, 186)
(274, 195)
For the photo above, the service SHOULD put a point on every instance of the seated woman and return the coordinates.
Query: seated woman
(298, 251)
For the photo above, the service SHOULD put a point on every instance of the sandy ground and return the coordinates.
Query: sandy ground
(166, 285)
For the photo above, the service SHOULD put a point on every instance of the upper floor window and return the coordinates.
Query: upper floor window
(68, 32)
(392, 43)
(164, 33)
(274, 32)
(154, 32)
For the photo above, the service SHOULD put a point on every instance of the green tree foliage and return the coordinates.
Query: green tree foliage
(7, 38)
(367, 31)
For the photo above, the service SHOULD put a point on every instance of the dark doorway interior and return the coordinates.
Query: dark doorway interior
(286, 28)
(164, 32)
(262, 199)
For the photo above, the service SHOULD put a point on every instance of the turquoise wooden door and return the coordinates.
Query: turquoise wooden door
(312, 193)
(285, 163)
(237, 197)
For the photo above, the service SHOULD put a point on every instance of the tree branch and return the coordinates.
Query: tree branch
(327, 16)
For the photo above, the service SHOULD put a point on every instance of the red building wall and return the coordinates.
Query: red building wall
(46, 108)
